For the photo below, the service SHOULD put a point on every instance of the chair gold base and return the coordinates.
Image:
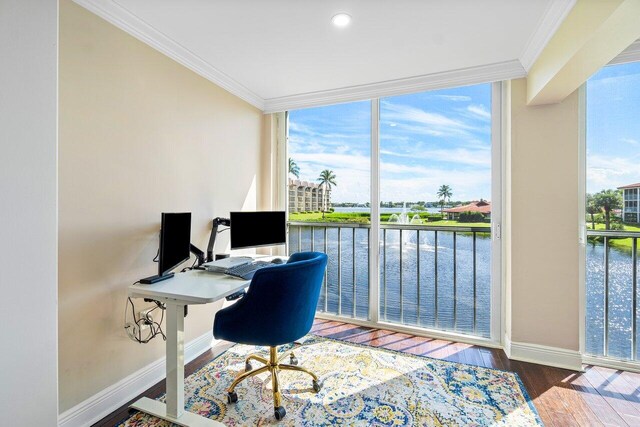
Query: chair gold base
(273, 365)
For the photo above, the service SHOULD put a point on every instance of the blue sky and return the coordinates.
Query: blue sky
(444, 137)
(426, 140)
(613, 127)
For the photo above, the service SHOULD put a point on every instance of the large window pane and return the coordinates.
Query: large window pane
(613, 187)
(329, 186)
(435, 169)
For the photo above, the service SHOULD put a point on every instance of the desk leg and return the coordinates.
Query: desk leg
(175, 360)
(173, 410)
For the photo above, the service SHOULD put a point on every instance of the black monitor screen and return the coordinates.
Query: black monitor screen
(175, 238)
(252, 229)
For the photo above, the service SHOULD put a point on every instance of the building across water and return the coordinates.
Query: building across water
(481, 206)
(630, 206)
(307, 196)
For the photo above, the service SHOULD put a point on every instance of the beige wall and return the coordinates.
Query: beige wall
(542, 211)
(139, 135)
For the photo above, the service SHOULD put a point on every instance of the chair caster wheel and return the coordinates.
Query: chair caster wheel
(316, 386)
(279, 412)
(293, 360)
(247, 367)
(232, 397)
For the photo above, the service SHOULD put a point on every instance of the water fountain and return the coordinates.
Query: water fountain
(403, 218)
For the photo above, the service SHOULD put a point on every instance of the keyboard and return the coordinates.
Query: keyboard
(246, 271)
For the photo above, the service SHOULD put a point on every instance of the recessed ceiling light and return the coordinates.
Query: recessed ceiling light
(341, 20)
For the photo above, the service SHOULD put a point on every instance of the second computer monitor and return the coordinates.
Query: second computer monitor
(175, 237)
(253, 229)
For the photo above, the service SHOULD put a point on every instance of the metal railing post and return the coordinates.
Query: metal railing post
(435, 283)
(606, 297)
(326, 274)
(634, 312)
(353, 263)
(475, 287)
(401, 284)
(339, 271)
(384, 272)
(418, 277)
(455, 284)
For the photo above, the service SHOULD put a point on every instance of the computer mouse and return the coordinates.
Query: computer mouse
(277, 261)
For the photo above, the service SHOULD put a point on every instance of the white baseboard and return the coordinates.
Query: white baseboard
(621, 365)
(113, 397)
(543, 355)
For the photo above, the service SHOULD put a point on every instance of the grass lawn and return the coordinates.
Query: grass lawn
(616, 243)
(363, 218)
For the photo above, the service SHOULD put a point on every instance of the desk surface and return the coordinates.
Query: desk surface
(190, 287)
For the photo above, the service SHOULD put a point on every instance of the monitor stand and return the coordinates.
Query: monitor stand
(155, 279)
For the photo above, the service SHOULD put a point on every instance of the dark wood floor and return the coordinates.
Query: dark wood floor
(599, 396)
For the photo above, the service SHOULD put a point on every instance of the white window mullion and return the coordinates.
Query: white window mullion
(374, 232)
(497, 279)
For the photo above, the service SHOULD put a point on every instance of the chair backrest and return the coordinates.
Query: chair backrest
(281, 301)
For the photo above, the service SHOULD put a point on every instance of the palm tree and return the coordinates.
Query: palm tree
(592, 209)
(326, 179)
(444, 193)
(608, 200)
(293, 168)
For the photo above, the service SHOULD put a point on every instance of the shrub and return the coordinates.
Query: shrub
(471, 217)
(616, 226)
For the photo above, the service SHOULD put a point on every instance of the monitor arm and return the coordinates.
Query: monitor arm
(214, 231)
(212, 241)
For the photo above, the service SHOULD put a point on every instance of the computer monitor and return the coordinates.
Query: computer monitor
(175, 238)
(254, 229)
(175, 241)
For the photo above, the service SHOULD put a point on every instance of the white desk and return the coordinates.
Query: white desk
(192, 287)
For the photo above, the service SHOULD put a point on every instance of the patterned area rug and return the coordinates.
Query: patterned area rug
(361, 385)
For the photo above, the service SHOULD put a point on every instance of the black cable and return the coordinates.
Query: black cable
(155, 327)
(156, 258)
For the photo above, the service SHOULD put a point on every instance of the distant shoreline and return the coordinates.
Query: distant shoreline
(382, 210)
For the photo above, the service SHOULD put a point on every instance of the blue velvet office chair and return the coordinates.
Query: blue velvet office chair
(278, 308)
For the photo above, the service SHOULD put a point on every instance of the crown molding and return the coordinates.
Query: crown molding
(117, 15)
(630, 54)
(461, 77)
(551, 20)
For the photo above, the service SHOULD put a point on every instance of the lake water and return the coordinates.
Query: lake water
(421, 305)
(416, 309)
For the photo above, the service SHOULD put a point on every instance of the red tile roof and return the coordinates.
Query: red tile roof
(626, 187)
(481, 206)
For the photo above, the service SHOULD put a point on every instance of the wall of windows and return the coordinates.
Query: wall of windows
(427, 258)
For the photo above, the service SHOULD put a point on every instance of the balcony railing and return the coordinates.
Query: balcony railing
(612, 294)
(436, 277)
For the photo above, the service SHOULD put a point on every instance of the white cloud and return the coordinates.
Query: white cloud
(605, 172)
(456, 98)
(479, 111)
(630, 141)
(461, 156)
(411, 114)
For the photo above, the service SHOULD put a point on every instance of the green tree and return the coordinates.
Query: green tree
(592, 209)
(327, 178)
(608, 200)
(444, 193)
(293, 168)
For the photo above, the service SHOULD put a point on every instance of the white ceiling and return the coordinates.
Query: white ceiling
(279, 52)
